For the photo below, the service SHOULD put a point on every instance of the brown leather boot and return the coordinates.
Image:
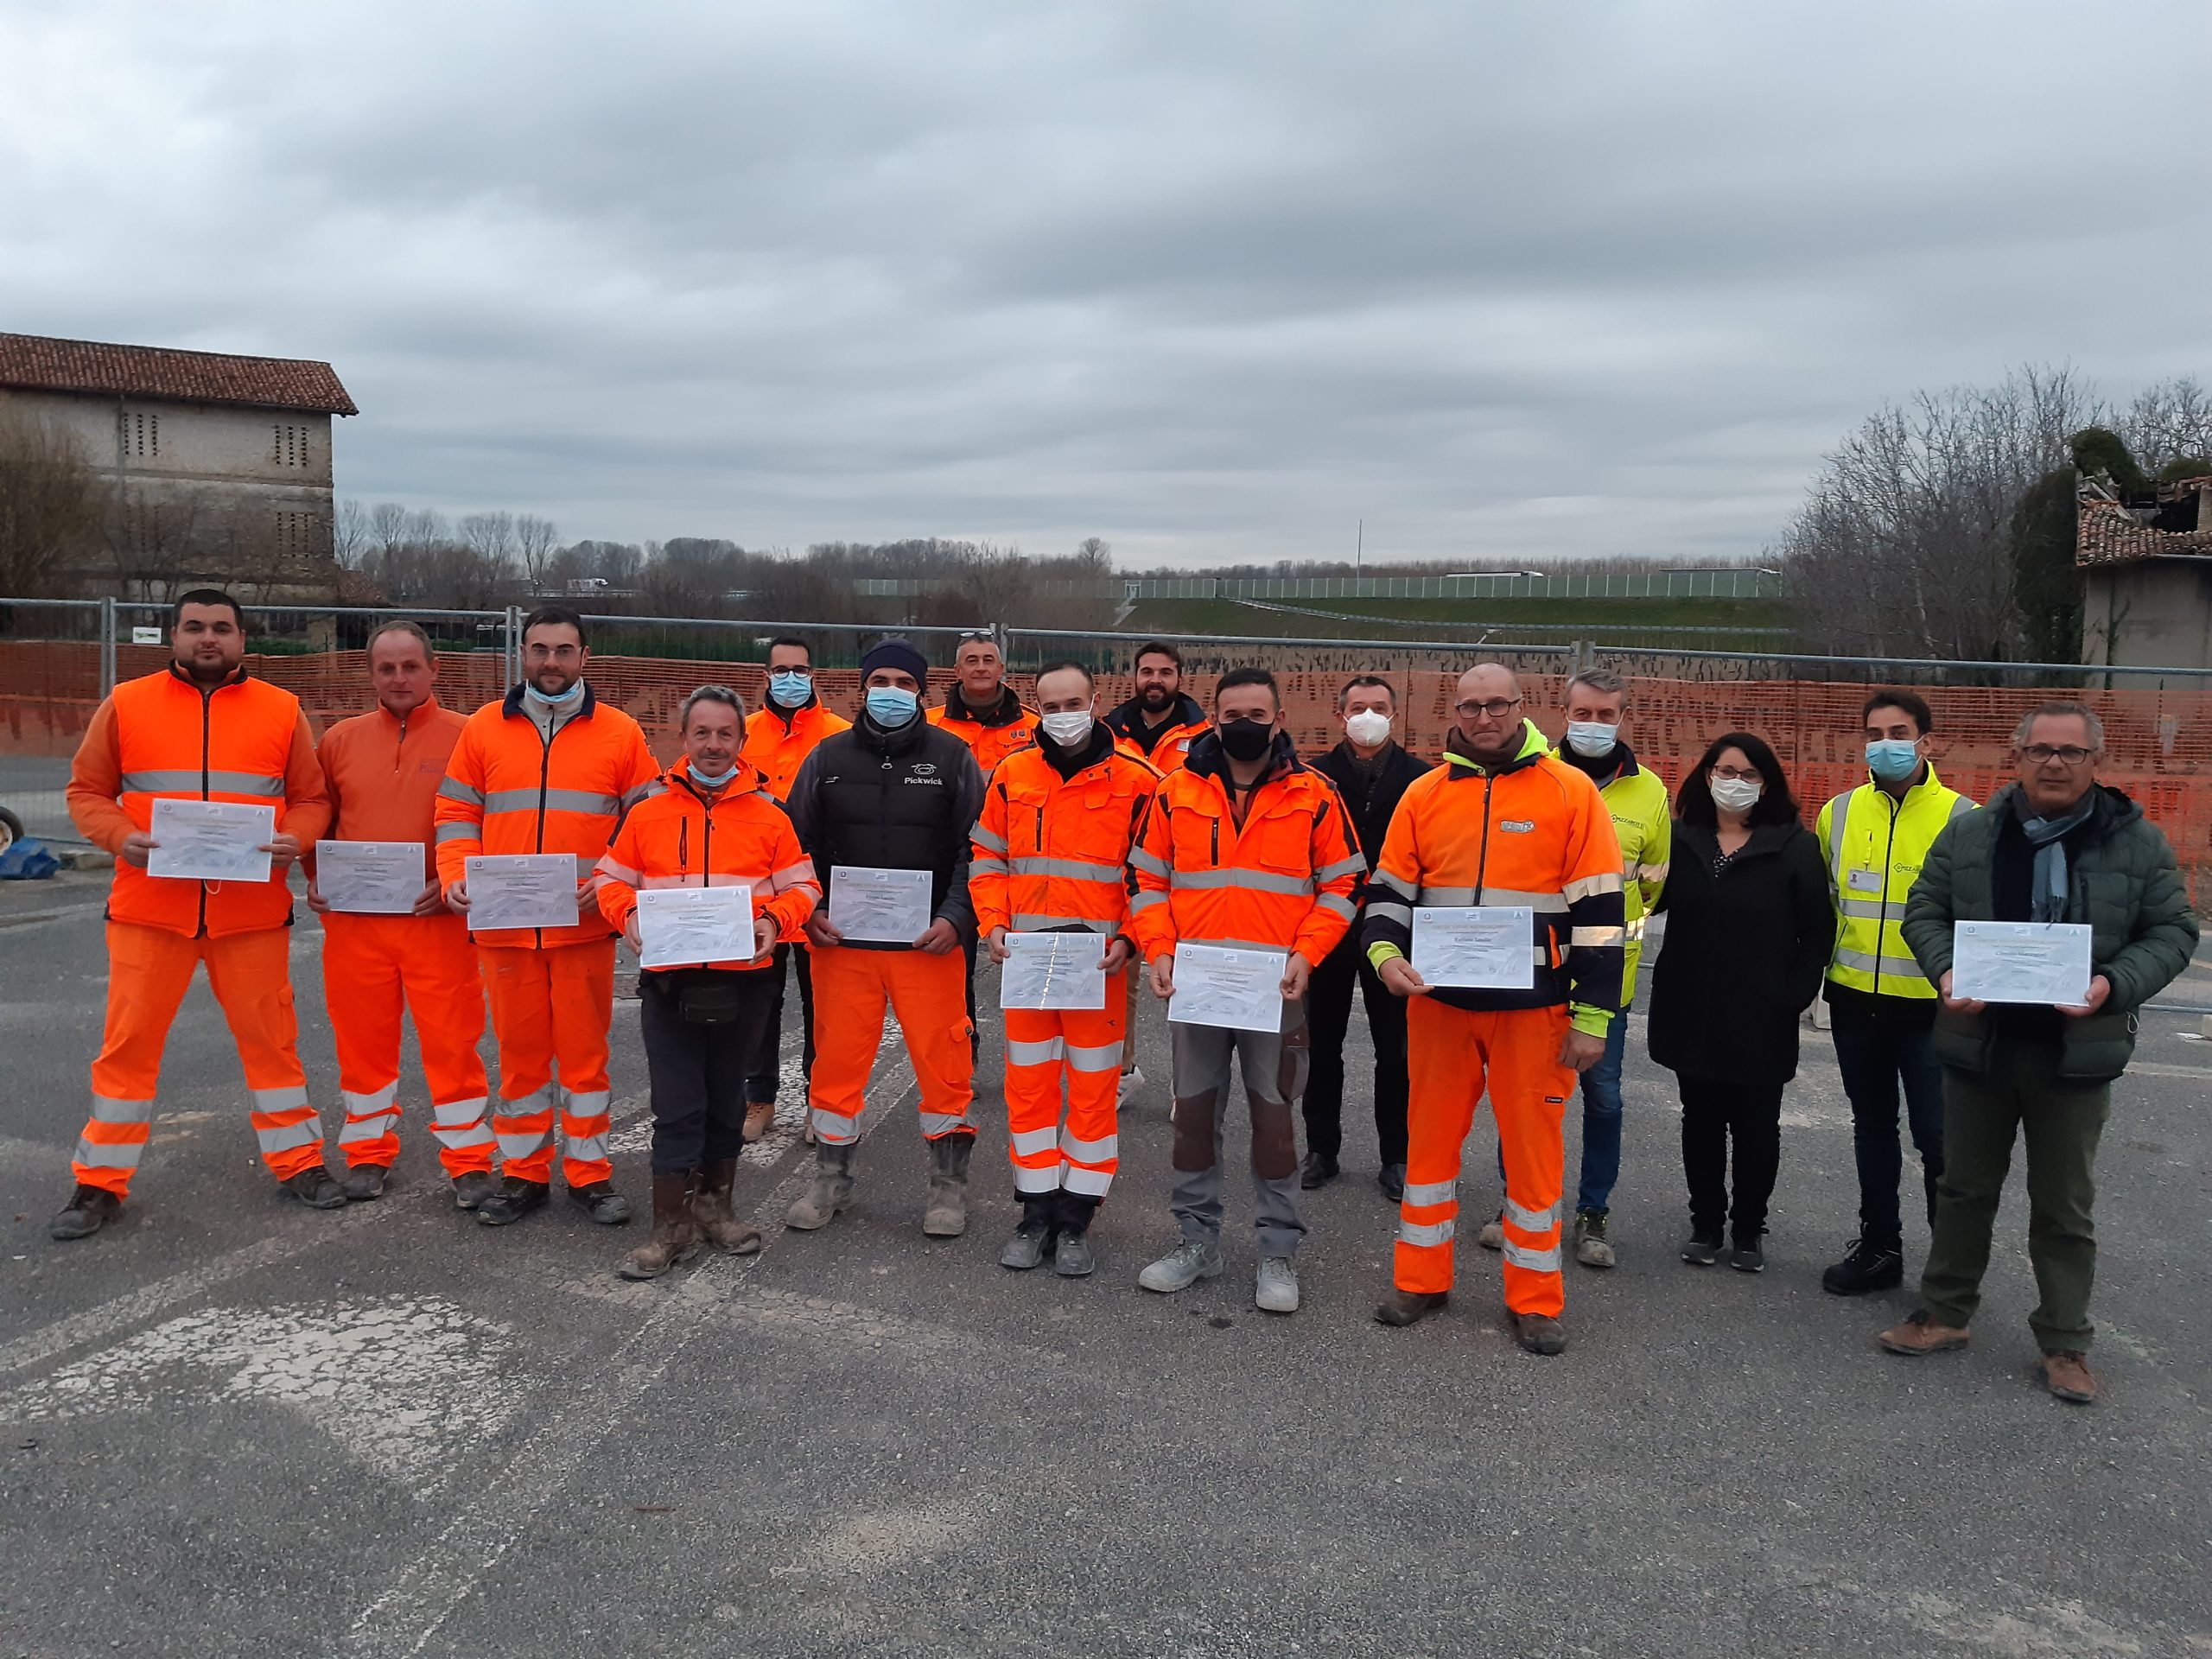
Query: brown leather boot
(710, 1210)
(1540, 1334)
(675, 1235)
(2066, 1373)
(1410, 1307)
(1921, 1334)
(760, 1118)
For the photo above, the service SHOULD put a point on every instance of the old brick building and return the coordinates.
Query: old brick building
(2146, 567)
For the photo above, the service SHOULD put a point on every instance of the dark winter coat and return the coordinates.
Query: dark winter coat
(1744, 954)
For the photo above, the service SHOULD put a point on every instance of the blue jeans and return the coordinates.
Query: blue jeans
(1601, 1123)
(1875, 1059)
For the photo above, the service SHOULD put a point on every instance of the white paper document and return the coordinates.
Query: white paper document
(211, 841)
(370, 878)
(689, 927)
(1492, 947)
(1053, 970)
(521, 890)
(2045, 962)
(1241, 990)
(881, 907)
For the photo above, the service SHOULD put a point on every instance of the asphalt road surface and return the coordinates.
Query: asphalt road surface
(230, 1425)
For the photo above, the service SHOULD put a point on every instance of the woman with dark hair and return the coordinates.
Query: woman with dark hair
(1749, 929)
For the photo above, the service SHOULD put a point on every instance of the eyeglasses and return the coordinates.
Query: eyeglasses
(2043, 754)
(1737, 774)
(1495, 709)
(974, 634)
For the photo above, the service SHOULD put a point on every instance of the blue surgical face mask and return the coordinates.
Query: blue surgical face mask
(790, 687)
(576, 690)
(1892, 760)
(713, 780)
(888, 705)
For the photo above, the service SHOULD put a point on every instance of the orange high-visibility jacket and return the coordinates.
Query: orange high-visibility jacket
(1053, 852)
(385, 775)
(160, 735)
(509, 788)
(1534, 833)
(673, 838)
(992, 733)
(1287, 880)
(1172, 747)
(774, 746)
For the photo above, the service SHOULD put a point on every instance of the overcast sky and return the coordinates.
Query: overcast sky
(1211, 280)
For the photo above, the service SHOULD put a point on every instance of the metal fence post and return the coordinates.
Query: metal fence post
(108, 644)
(511, 642)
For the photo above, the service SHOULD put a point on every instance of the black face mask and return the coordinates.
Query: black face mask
(1246, 740)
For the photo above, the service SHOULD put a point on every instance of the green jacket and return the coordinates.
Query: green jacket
(2124, 884)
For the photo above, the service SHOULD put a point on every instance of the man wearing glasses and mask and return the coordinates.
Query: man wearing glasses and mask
(2055, 846)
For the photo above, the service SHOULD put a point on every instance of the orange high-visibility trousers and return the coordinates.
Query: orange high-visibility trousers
(1450, 1054)
(374, 968)
(148, 970)
(552, 1008)
(1081, 1047)
(929, 995)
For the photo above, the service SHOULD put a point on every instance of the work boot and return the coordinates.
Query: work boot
(1921, 1334)
(1492, 1237)
(516, 1199)
(1318, 1171)
(364, 1182)
(710, 1209)
(1184, 1266)
(1275, 1290)
(1392, 1180)
(1591, 1248)
(1404, 1308)
(760, 1118)
(1703, 1249)
(945, 1213)
(831, 1191)
(1026, 1250)
(599, 1200)
(1540, 1334)
(472, 1188)
(676, 1234)
(1071, 1256)
(1867, 1266)
(2066, 1373)
(89, 1209)
(314, 1188)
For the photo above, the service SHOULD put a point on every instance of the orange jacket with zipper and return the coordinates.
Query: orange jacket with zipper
(1053, 852)
(1009, 729)
(385, 775)
(774, 747)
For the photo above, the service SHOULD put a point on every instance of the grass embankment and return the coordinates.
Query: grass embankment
(1391, 616)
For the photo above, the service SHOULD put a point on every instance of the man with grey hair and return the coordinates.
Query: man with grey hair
(2053, 847)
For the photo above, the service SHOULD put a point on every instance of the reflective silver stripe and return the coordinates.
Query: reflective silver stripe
(1838, 815)
(375, 1101)
(1035, 1053)
(453, 790)
(1652, 872)
(288, 1099)
(1424, 1234)
(1405, 890)
(105, 1110)
(1091, 1183)
(1431, 1192)
(556, 800)
(475, 1134)
(218, 783)
(1530, 1221)
(1889, 967)
(1533, 1261)
(936, 1125)
(1351, 866)
(792, 875)
(643, 791)
(1336, 905)
(986, 866)
(367, 1128)
(1106, 1057)
(835, 1130)
(1246, 880)
(1029, 1142)
(1028, 1178)
(614, 869)
(1146, 862)
(308, 1131)
(1960, 807)
(1435, 896)
(585, 1148)
(983, 837)
(1146, 900)
(1868, 910)
(526, 1144)
(1497, 898)
(99, 1155)
(459, 831)
(1030, 921)
(1241, 945)
(458, 1114)
(1590, 886)
(1070, 869)
(591, 1102)
(1091, 1152)
(1396, 912)
(1598, 937)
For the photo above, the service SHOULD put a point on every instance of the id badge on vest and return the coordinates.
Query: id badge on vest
(1865, 880)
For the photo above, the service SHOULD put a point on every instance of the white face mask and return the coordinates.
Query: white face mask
(1367, 727)
(1591, 740)
(1067, 728)
(1735, 794)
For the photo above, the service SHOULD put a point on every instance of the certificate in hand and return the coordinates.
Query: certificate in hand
(883, 907)
(521, 890)
(1490, 946)
(2045, 962)
(211, 841)
(370, 878)
(1053, 970)
(689, 927)
(1241, 990)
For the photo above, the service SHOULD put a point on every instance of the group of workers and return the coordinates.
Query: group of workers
(1157, 826)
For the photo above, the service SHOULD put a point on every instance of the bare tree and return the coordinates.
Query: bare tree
(534, 540)
(1094, 556)
(50, 507)
(2168, 427)
(349, 535)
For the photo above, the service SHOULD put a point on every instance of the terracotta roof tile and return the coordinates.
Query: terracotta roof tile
(33, 362)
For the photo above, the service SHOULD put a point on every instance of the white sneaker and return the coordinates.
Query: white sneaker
(1183, 1267)
(1132, 1078)
(1277, 1290)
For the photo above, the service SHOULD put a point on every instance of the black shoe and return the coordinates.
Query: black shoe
(470, 1190)
(1748, 1258)
(1392, 1180)
(90, 1209)
(516, 1199)
(364, 1181)
(1868, 1267)
(1703, 1250)
(601, 1202)
(1318, 1171)
(314, 1188)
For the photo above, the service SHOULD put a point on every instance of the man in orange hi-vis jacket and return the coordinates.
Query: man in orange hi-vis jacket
(385, 770)
(547, 769)
(1051, 854)
(1501, 825)
(201, 729)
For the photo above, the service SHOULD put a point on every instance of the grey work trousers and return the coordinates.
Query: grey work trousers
(1273, 1065)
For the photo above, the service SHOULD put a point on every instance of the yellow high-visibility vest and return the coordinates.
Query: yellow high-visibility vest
(1645, 828)
(1876, 845)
